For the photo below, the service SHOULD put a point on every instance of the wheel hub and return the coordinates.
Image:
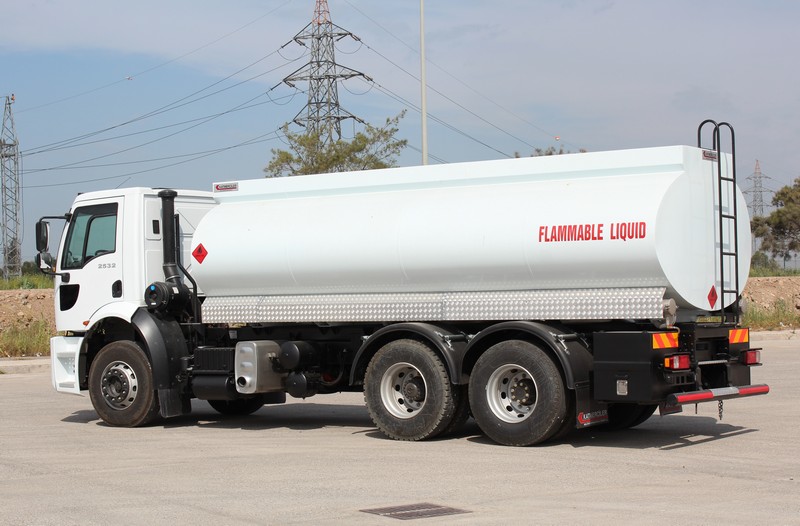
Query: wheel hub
(413, 389)
(119, 385)
(403, 390)
(511, 393)
(523, 392)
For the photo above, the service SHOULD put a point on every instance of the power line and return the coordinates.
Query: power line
(514, 114)
(199, 155)
(450, 127)
(206, 117)
(153, 68)
(179, 103)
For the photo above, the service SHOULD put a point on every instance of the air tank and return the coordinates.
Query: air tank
(605, 220)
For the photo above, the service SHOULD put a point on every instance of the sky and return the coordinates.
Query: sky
(182, 93)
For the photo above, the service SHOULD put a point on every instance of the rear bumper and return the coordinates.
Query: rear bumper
(720, 393)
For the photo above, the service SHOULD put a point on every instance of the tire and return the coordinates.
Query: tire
(461, 413)
(121, 385)
(568, 425)
(238, 407)
(408, 392)
(517, 394)
(625, 416)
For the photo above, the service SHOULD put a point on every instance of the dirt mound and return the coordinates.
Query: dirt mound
(20, 308)
(765, 292)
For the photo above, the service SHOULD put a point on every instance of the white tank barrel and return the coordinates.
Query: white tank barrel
(605, 220)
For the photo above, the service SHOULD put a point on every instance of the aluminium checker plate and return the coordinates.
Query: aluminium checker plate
(556, 304)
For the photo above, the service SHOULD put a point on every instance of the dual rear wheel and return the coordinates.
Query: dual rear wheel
(516, 393)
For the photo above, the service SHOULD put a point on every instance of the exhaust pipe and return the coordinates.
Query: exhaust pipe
(171, 295)
(168, 235)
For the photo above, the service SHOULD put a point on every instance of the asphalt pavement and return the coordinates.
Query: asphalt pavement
(321, 460)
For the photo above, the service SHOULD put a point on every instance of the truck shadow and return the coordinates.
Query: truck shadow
(666, 434)
(302, 416)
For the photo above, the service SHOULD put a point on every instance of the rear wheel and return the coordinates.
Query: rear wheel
(121, 385)
(517, 395)
(408, 392)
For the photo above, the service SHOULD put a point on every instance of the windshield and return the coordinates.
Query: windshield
(92, 232)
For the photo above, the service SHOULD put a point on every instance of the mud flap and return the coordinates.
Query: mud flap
(172, 402)
(588, 412)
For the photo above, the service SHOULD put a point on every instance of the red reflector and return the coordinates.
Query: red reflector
(678, 361)
(754, 390)
(751, 357)
(694, 397)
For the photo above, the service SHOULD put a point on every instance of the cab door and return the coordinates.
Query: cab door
(90, 263)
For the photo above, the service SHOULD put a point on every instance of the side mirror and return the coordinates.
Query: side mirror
(42, 236)
(44, 262)
(41, 264)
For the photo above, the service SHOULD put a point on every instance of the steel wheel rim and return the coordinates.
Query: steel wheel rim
(119, 385)
(511, 393)
(403, 390)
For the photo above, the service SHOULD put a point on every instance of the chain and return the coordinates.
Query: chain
(720, 409)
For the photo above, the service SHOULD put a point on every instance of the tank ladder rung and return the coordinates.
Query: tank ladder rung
(727, 224)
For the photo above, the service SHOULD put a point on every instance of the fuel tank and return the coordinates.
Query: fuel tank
(605, 220)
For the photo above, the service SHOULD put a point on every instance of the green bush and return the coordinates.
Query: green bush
(779, 315)
(33, 340)
(27, 281)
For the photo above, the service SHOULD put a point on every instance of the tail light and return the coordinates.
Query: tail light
(751, 357)
(677, 362)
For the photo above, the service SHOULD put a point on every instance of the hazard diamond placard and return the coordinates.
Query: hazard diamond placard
(200, 253)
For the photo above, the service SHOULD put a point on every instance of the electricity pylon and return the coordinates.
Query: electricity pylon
(323, 114)
(757, 191)
(11, 195)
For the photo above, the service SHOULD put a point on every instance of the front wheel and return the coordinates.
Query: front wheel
(517, 395)
(121, 385)
(408, 392)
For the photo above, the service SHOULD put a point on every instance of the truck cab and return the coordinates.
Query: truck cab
(110, 250)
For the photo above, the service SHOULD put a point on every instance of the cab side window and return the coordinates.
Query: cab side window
(92, 232)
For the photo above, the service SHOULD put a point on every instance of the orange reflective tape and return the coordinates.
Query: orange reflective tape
(739, 336)
(665, 340)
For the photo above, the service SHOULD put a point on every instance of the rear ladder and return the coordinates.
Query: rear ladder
(727, 222)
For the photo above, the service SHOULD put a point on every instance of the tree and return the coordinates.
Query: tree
(780, 231)
(550, 150)
(373, 148)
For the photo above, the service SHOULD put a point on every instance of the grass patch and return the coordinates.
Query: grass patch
(771, 272)
(27, 281)
(779, 315)
(20, 341)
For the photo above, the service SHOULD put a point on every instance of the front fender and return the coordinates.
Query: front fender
(165, 344)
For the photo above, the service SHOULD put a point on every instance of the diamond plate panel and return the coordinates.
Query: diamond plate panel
(561, 304)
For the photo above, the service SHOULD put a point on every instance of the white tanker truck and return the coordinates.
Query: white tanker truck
(538, 295)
